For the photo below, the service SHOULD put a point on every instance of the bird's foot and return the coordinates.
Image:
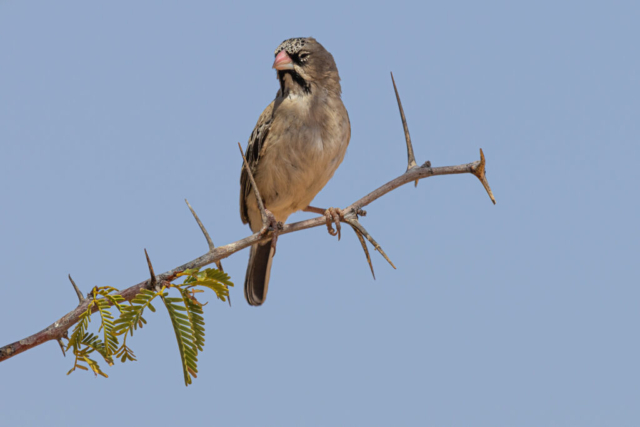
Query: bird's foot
(334, 215)
(272, 225)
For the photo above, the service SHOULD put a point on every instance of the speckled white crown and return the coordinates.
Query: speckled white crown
(292, 46)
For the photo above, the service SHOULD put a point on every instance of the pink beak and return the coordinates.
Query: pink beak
(283, 61)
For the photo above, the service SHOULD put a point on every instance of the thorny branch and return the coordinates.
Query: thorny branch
(58, 329)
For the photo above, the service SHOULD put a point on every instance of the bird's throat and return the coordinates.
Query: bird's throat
(292, 83)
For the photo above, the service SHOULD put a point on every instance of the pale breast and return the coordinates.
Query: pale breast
(305, 146)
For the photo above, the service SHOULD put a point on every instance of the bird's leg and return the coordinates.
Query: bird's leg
(314, 210)
(333, 215)
(273, 225)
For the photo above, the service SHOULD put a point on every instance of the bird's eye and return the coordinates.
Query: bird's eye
(303, 56)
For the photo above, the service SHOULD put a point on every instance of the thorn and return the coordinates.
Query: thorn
(480, 172)
(365, 249)
(411, 158)
(206, 234)
(356, 224)
(263, 213)
(61, 347)
(80, 296)
(267, 217)
(154, 280)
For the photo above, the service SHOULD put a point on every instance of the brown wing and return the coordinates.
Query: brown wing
(254, 149)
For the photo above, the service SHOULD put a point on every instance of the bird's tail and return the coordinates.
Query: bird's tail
(256, 282)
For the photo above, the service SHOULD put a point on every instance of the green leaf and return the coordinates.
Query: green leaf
(182, 312)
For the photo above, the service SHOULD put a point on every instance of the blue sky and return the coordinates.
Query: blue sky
(525, 313)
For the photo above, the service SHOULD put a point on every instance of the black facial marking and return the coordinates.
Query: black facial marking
(297, 79)
(301, 82)
(299, 59)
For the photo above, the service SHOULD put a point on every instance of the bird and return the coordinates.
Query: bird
(296, 146)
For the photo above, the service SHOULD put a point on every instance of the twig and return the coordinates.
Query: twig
(80, 296)
(411, 158)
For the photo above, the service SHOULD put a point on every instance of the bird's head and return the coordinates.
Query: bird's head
(303, 63)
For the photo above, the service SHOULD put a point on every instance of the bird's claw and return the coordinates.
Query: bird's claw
(334, 216)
